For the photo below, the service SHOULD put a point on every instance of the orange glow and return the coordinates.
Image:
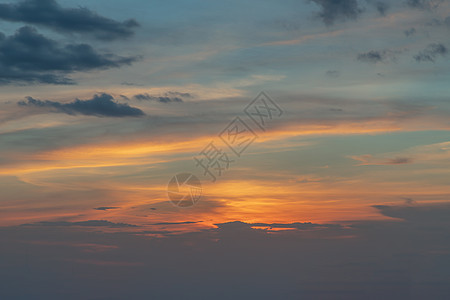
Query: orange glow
(278, 198)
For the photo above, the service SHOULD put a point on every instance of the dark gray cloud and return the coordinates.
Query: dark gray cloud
(335, 10)
(146, 96)
(431, 53)
(424, 4)
(90, 223)
(106, 207)
(333, 73)
(447, 21)
(409, 201)
(296, 225)
(435, 22)
(373, 56)
(29, 57)
(399, 161)
(50, 14)
(377, 56)
(102, 105)
(431, 214)
(382, 7)
(131, 83)
(178, 94)
(370, 160)
(384, 259)
(177, 223)
(410, 32)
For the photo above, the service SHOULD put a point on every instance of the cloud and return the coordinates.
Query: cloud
(389, 259)
(435, 154)
(333, 10)
(374, 56)
(399, 161)
(130, 83)
(410, 32)
(382, 7)
(90, 223)
(85, 247)
(409, 201)
(106, 207)
(29, 57)
(431, 53)
(333, 73)
(177, 223)
(424, 4)
(146, 96)
(50, 14)
(417, 213)
(178, 94)
(435, 22)
(369, 160)
(296, 225)
(447, 21)
(102, 105)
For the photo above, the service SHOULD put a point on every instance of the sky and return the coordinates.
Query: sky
(308, 139)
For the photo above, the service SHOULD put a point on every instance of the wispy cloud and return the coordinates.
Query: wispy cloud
(106, 207)
(376, 56)
(369, 160)
(431, 53)
(161, 99)
(90, 223)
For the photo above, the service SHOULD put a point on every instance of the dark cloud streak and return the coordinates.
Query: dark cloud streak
(90, 223)
(146, 96)
(102, 105)
(106, 207)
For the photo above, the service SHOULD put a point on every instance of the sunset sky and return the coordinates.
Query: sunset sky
(342, 194)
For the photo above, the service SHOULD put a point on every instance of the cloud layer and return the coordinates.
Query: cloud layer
(405, 258)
